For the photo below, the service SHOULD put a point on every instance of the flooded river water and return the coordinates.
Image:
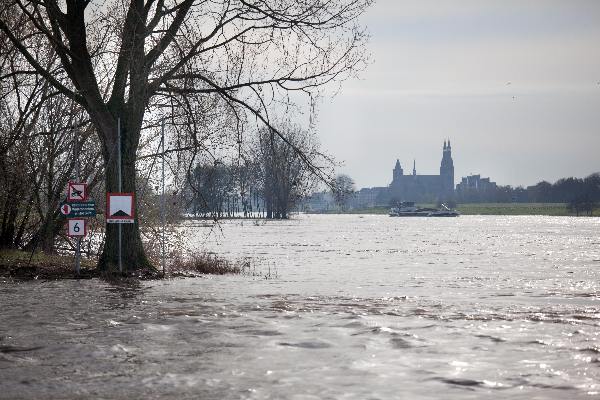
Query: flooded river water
(362, 307)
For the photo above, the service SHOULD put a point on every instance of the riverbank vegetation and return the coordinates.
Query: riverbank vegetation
(551, 209)
(22, 265)
(208, 264)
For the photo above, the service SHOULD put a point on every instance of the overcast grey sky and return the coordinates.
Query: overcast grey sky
(514, 84)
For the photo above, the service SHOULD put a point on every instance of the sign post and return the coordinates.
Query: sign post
(120, 210)
(77, 228)
(77, 192)
(120, 190)
(162, 197)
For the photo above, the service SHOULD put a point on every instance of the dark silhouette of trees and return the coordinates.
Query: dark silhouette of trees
(268, 181)
(213, 190)
(38, 128)
(284, 175)
(581, 195)
(343, 189)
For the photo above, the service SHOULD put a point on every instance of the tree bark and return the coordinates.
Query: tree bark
(132, 252)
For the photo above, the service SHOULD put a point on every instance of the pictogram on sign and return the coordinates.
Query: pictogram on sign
(120, 208)
(65, 209)
(76, 192)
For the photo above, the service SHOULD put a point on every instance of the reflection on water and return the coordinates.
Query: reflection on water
(364, 307)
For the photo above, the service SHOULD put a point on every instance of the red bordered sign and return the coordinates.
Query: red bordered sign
(76, 227)
(120, 208)
(76, 192)
(65, 209)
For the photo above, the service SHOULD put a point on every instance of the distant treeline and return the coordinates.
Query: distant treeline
(581, 194)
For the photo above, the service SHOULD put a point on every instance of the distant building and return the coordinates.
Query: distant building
(317, 202)
(413, 187)
(370, 197)
(424, 188)
(476, 182)
(474, 188)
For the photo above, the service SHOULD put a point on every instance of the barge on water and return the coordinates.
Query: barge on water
(408, 209)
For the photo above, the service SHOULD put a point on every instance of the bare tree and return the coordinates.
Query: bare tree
(284, 176)
(343, 188)
(124, 57)
(37, 126)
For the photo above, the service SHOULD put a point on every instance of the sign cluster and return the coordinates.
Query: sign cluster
(76, 208)
(119, 209)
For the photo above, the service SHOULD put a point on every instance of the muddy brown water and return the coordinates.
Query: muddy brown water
(362, 307)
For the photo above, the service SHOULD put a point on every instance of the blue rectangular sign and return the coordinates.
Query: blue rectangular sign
(79, 209)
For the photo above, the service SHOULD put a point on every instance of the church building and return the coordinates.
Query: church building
(421, 189)
(424, 188)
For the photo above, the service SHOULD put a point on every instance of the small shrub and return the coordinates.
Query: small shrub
(207, 263)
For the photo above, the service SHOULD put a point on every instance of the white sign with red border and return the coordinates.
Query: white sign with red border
(77, 191)
(76, 227)
(120, 208)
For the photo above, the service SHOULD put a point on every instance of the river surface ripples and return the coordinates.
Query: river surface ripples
(362, 307)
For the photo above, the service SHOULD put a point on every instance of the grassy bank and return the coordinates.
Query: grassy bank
(26, 265)
(553, 209)
(21, 265)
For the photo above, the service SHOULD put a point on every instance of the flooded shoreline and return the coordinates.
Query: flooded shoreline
(362, 308)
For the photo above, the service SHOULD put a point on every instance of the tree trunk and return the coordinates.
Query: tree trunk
(8, 227)
(132, 252)
(11, 208)
(21, 231)
(46, 233)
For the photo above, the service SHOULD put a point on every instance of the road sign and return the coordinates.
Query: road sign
(120, 208)
(76, 227)
(65, 209)
(76, 192)
(78, 210)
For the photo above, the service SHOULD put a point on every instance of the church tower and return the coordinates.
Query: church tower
(447, 172)
(398, 172)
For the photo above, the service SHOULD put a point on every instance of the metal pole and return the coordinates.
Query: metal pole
(120, 190)
(162, 197)
(77, 177)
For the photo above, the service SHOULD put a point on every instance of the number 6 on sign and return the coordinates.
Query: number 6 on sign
(76, 227)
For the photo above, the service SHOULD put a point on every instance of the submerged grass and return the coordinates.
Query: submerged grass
(211, 264)
(208, 263)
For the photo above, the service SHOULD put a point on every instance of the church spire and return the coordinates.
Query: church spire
(397, 173)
